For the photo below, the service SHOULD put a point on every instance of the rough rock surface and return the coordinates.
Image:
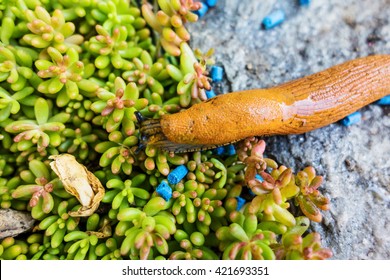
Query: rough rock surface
(14, 222)
(354, 160)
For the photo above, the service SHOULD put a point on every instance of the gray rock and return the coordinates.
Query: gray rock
(13, 222)
(354, 160)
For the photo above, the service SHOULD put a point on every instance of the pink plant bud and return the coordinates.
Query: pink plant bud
(235, 249)
(59, 38)
(183, 11)
(197, 202)
(140, 239)
(119, 92)
(185, 244)
(19, 137)
(149, 240)
(197, 253)
(144, 252)
(192, 194)
(108, 110)
(201, 216)
(175, 194)
(258, 149)
(48, 187)
(34, 199)
(41, 181)
(277, 196)
(259, 236)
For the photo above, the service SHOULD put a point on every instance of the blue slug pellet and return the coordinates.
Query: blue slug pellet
(164, 190)
(230, 150)
(177, 174)
(210, 94)
(219, 151)
(251, 192)
(202, 11)
(210, 3)
(273, 19)
(384, 101)
(352, 119)
(240, 203)
(216, 73)
(258, 177)
(304, 2)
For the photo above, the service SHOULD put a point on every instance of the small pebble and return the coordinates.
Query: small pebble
(249, 66)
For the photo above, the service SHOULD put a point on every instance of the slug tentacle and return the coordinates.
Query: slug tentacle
(295, 107)
(150, 130)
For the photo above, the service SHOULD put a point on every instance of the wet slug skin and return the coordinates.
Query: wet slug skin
(292, 108)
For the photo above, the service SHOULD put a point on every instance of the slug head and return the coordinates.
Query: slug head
(151, 133)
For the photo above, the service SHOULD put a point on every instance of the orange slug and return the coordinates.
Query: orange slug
(295, 107)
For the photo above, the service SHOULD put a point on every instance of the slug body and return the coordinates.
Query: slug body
(295, 107)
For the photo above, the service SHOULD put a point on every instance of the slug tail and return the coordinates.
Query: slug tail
(152, 134)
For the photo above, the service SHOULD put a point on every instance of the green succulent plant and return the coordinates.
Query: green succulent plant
(146, 231)
(73, 74)
(50, 30)
(243, 240)
(127, 193)
(12, 249)
(310, 200)
(80, 140)
(11, 103)
(295, 246)
(7, 186)
(191, 247)
(56, 226)
(42, 132)
(15, 67)
(169, 22)
(39, 185)
(117, 108)
(63, 76)
(118, 153)
(112, 49)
